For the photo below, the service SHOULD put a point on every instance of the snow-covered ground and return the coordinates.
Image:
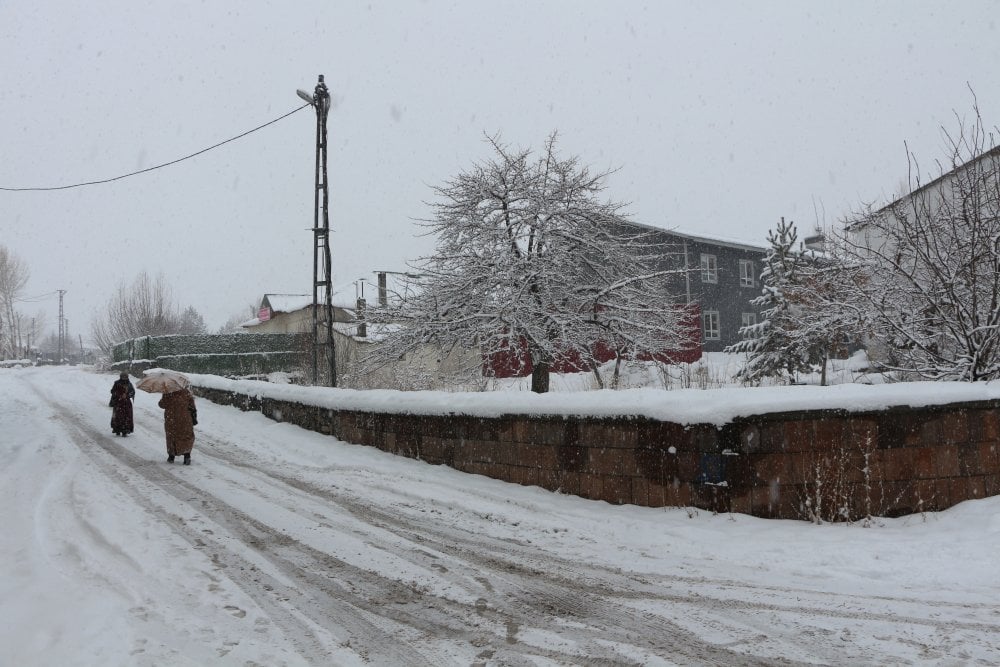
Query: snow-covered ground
(283, 547)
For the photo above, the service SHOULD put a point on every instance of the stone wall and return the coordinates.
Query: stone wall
(818, 465)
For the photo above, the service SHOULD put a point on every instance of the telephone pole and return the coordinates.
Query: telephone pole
(62, 329)
(322, 336)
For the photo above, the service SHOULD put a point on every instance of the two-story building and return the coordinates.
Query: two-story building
(720, 276)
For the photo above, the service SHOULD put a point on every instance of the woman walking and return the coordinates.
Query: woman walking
(122, 393)
(179, 418)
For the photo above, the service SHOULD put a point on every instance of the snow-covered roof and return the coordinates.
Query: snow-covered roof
(287, 303)
(290, 303)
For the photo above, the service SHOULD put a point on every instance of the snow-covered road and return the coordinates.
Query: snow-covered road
(283, 547)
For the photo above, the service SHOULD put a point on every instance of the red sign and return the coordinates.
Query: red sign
(264, 314)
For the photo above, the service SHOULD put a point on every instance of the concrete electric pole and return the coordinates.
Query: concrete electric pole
(322, 337)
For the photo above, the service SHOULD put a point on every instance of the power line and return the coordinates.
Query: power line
(37, 298)
(159, 166)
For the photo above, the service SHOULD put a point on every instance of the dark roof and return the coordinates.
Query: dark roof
(729, 243)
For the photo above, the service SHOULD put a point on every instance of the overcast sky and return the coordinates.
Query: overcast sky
(719, 117)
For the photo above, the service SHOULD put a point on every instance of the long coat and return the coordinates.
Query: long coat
(122, 393)
(179, 418)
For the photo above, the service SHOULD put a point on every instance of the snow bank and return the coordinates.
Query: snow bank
(682, 406)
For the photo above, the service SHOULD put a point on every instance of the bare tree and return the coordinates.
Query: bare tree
(143, 308)
(13, 279)
(33, 331)
(232, 324)
(828, 318)
(531, 263)
(928, 265)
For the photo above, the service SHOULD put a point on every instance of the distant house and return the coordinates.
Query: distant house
(720, 277)
(291, 313)
(354, 340)
(973, 184)
(428, 367)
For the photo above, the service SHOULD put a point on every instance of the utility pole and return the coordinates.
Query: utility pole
(62, 329)
(322, 283)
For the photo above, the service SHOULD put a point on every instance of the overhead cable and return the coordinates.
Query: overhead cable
(159, 166)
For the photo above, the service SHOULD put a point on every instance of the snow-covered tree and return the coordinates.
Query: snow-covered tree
(232, 325)
(807, 314)
(825, 312)
(768, 344)
(13, 279)
(929, 265)
(532, 263)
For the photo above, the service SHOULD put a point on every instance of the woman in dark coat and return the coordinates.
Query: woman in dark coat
(179, 418)
(122, 393)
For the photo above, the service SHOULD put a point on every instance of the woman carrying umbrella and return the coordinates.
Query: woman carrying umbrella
(179, 412)
(122, 393)
(179, 418)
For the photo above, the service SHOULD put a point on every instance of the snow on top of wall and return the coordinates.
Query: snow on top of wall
(682, 406)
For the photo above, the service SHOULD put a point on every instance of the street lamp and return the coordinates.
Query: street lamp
(322, 327)
(306, 95)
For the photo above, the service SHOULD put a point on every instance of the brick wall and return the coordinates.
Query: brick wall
(828, 465)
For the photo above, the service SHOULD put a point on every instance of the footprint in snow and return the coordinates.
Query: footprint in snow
(235, 611)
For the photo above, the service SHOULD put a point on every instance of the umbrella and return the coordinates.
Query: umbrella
(160, 381)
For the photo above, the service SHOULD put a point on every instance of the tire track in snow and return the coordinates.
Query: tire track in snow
(285, 596)
(550, 593)
(516, 587)
(546, 578)
(386, 618)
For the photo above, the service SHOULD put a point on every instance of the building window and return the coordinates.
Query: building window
(747, 278)
(747, 320)
(710, 319)
(709, 269)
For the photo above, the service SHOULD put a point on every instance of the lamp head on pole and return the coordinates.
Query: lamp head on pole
(320, 99)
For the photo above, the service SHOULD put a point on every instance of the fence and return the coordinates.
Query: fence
(217, 354)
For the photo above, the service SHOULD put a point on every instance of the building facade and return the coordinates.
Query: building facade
(720, 277)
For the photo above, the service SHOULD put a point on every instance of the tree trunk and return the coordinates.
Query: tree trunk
(540, 377)
(597, 374)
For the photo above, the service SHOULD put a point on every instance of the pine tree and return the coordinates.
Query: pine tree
(809, 311)
(191, 322)
(771, 345)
